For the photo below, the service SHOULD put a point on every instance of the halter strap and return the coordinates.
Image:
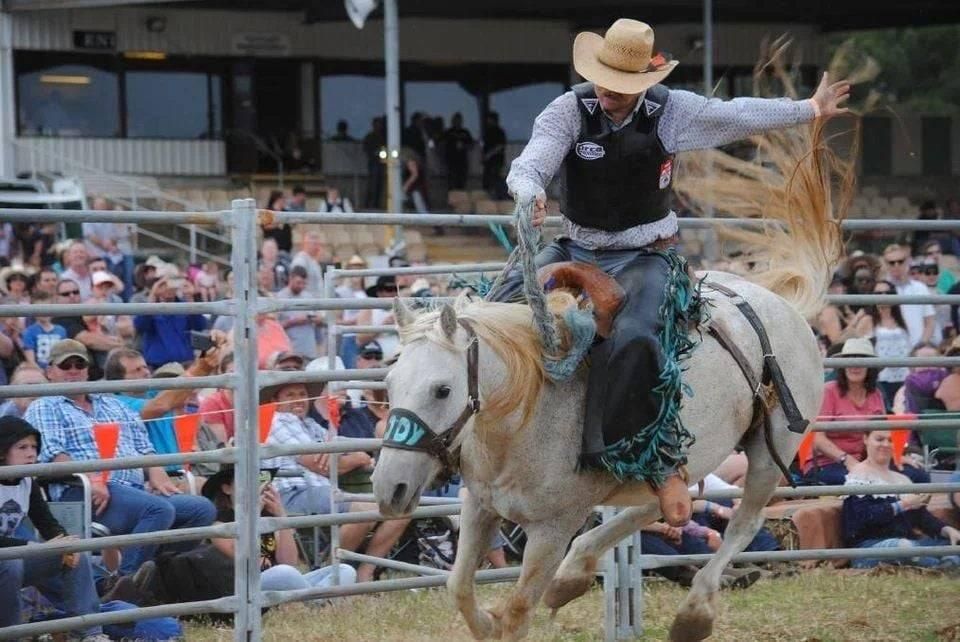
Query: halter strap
(439, 445)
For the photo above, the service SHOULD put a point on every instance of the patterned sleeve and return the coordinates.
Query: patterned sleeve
(691, 121)
(138, 431)
(42, 416)
(554, 132)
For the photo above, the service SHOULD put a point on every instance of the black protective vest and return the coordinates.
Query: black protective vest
(614, 180)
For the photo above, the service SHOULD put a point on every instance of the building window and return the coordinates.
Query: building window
(355, 99)
(877, 145)
(519, 106)
(936, 146)
(443, 99)
(68, 101)
(171, 104)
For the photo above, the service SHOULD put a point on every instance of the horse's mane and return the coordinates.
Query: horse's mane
(508, 329)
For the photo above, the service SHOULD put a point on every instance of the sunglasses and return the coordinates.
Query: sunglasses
(931, 270)
(895, 261)
(73, 364)
(883, 291)
(69, 293)
(377, 356)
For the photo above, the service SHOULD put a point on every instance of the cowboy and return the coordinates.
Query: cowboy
(616, 136)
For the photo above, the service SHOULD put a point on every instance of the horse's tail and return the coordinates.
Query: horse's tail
(798, 186)
(801, 189)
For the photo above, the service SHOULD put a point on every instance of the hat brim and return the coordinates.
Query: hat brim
(587, 63)
(269, 393)
(861, 355)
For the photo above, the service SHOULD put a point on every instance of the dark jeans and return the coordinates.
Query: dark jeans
(653, 544)
(132, 510)
(834, 474)
(762, 541)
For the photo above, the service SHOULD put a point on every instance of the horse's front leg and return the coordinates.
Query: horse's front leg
(546, 545)
(477, 526)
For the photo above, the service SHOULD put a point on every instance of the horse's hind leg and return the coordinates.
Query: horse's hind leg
(694, 620)
(578, 570)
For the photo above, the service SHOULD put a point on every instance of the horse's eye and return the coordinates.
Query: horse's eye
(443, 392)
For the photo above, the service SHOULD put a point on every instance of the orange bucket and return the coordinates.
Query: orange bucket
(900, 437)
(186, 428)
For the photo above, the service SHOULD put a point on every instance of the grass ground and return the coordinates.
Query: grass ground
(814, 606)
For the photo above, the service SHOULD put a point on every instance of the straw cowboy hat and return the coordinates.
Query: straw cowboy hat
(7, 273)
(622, 60)
(857, 347)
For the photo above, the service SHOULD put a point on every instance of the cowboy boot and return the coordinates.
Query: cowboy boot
(675, 504)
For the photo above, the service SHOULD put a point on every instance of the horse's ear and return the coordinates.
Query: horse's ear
(448, 321)
(401, 313)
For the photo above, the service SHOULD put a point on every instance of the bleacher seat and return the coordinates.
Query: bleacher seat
(505, 207)
(486, 206)
(459, 201)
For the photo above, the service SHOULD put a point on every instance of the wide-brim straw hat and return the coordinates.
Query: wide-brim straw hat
(622, 60)
(857, 347)
(10, 271)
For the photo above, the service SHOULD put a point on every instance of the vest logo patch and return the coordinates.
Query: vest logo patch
(650, 107)
(590, 151)
(590, 104)
(666, 173)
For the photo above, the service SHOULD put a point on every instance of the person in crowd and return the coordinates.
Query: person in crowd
(919, 318)
(342, 135)
(96, 342)
(8, 245)
(297, 201)
(278, 551)
(891, 521)
(415, 182)
(157, 408)
(413, 135)
(929, 274)
(112, 242)
(281, 233)
(106, 289)
(166, 337)
(891, 341)
(46, 281)
(40, 336)
(311, 257)
(366, 417)
(121, 503)
(207, 281)
(15, 284)
(494, 151)
(274, 266)
(948, 392)
(335, 203)
(457, 143)
(66, 578)
(373, 143)
(928, 212)
(853, 394)
(26, 374)
(144, 276)
(78, 268)
(303, 328)
(389, 342)
(216, 408)
(839, 323)
(932, 251)
(271, 339)
(351, 288)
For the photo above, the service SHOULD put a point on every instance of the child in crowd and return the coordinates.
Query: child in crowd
(67, 578)
(207, 281)
(40, 336)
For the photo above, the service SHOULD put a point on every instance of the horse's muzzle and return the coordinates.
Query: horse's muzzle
(400, 500)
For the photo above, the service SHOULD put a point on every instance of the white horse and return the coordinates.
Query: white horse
(518, 454)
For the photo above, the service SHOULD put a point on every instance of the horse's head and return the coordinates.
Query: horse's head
(433, 395)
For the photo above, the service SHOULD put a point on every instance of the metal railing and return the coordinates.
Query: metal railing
(246, 453)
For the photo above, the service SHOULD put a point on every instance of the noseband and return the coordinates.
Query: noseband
(407, 431)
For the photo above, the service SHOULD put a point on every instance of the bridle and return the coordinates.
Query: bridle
(407, 431)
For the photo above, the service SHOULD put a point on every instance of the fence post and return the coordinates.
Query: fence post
(622, 587)
(245, 397)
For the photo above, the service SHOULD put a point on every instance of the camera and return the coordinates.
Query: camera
(201, 341)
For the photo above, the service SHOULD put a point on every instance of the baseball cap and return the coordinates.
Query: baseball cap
(101, 276)
(371, 348)
(66, 348)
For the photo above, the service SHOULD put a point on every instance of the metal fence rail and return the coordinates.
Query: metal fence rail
(241, 221)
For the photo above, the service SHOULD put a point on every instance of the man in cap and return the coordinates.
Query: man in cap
(303, 328)
(617, 135)
(68, 425)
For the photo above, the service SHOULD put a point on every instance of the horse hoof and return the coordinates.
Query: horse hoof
(691, 627)
(564, 590)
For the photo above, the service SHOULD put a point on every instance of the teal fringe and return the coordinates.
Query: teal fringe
(583, 328)
(661, 447)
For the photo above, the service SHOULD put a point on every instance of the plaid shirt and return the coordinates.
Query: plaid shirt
(68, 429)
(287, 428)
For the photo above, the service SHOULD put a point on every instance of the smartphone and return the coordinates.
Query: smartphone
(201, 341)
(265, 479)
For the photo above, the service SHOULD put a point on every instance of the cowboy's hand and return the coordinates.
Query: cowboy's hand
(829, 96)
(532, 194)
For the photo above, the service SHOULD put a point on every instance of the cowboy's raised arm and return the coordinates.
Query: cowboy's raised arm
(691, 121)
(554, 132)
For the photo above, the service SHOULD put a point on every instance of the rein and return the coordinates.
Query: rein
(407, 431)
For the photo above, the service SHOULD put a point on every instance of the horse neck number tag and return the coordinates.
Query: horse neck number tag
(404, 429)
